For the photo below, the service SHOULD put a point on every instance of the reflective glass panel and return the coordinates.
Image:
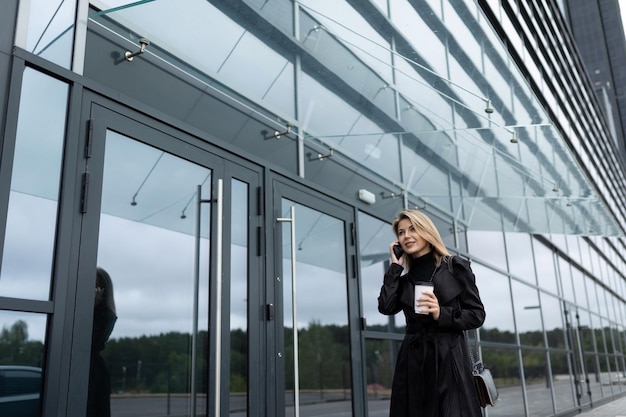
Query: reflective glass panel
(584, 253)
(562, 380)
(504, 366)
(22, 341)
(538, 383)
(519, 251)
(495, 294)
(374, 239)
(278, 12)
(573, 249)
(527, 314)
(319, 351)
(610, 334)
(606, 375)
(602, 300)
(414, 25)
(575, 341)
(353, 134)
(358, 38)
(49, 29)
(592, 295)
(487, 246)
(578, 280)
(553, 321)
(593, 346)
(200, 37)
(566, 280)
(379, 361)
(428, 179)
(445, 81)
(445, 228)
(465, 68)
(598, 325)
(22, 338)
(546, 270)
(587, 336)
(149, 232)
(616, 378)
(31, 221)
(592, 367)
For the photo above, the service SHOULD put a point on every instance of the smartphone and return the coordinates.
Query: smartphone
(397, 250)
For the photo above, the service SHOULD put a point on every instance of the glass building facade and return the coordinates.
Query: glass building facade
(301, 128)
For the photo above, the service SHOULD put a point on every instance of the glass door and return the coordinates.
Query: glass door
(167, 253)
(315, 344)
(154, 244)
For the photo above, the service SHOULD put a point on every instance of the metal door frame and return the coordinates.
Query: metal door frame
(98, 115)
(278, 187)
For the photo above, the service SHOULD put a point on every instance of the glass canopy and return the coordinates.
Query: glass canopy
(424, 98)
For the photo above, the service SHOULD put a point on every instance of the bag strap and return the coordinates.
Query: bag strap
(450, 261)
(472, 347)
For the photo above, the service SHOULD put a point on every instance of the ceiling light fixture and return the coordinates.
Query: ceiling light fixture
(366, 196)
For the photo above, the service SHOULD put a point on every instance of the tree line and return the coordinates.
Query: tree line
(162, 363)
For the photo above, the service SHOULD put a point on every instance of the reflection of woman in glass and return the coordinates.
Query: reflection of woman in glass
(433, 376)
(98, 401)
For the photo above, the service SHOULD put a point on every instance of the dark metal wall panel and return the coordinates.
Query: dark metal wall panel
(5, 71)
(8, 13)
(597, 29)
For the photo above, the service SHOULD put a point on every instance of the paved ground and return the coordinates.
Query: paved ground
(616, 408)
(310, 406)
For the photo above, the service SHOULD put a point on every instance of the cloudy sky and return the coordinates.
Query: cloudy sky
(141, 297)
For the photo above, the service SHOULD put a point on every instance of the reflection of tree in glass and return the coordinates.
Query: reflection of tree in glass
(15, 349)
(238, 361)
(155, 364)
(380, 360)
(316, 350)
(324, 359)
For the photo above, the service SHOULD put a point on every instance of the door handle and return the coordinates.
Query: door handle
(218, 290)
(294, 310)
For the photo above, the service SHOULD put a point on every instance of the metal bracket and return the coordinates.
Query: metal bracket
(143, 43)
(392, 195)
(276, 134)
(321, 157)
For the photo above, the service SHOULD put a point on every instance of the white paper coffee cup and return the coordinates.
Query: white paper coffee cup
(420, 288)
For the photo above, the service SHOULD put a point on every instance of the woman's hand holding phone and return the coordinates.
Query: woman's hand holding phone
(396, 252)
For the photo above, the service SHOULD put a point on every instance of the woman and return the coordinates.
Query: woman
(433, 376)
(98, 400)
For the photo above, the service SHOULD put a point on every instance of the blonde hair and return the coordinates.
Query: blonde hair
(427, 230)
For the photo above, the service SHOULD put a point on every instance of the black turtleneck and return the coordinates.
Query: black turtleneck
(422, 268)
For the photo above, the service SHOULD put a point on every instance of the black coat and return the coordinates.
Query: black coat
(433, 376)
(98, 399)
